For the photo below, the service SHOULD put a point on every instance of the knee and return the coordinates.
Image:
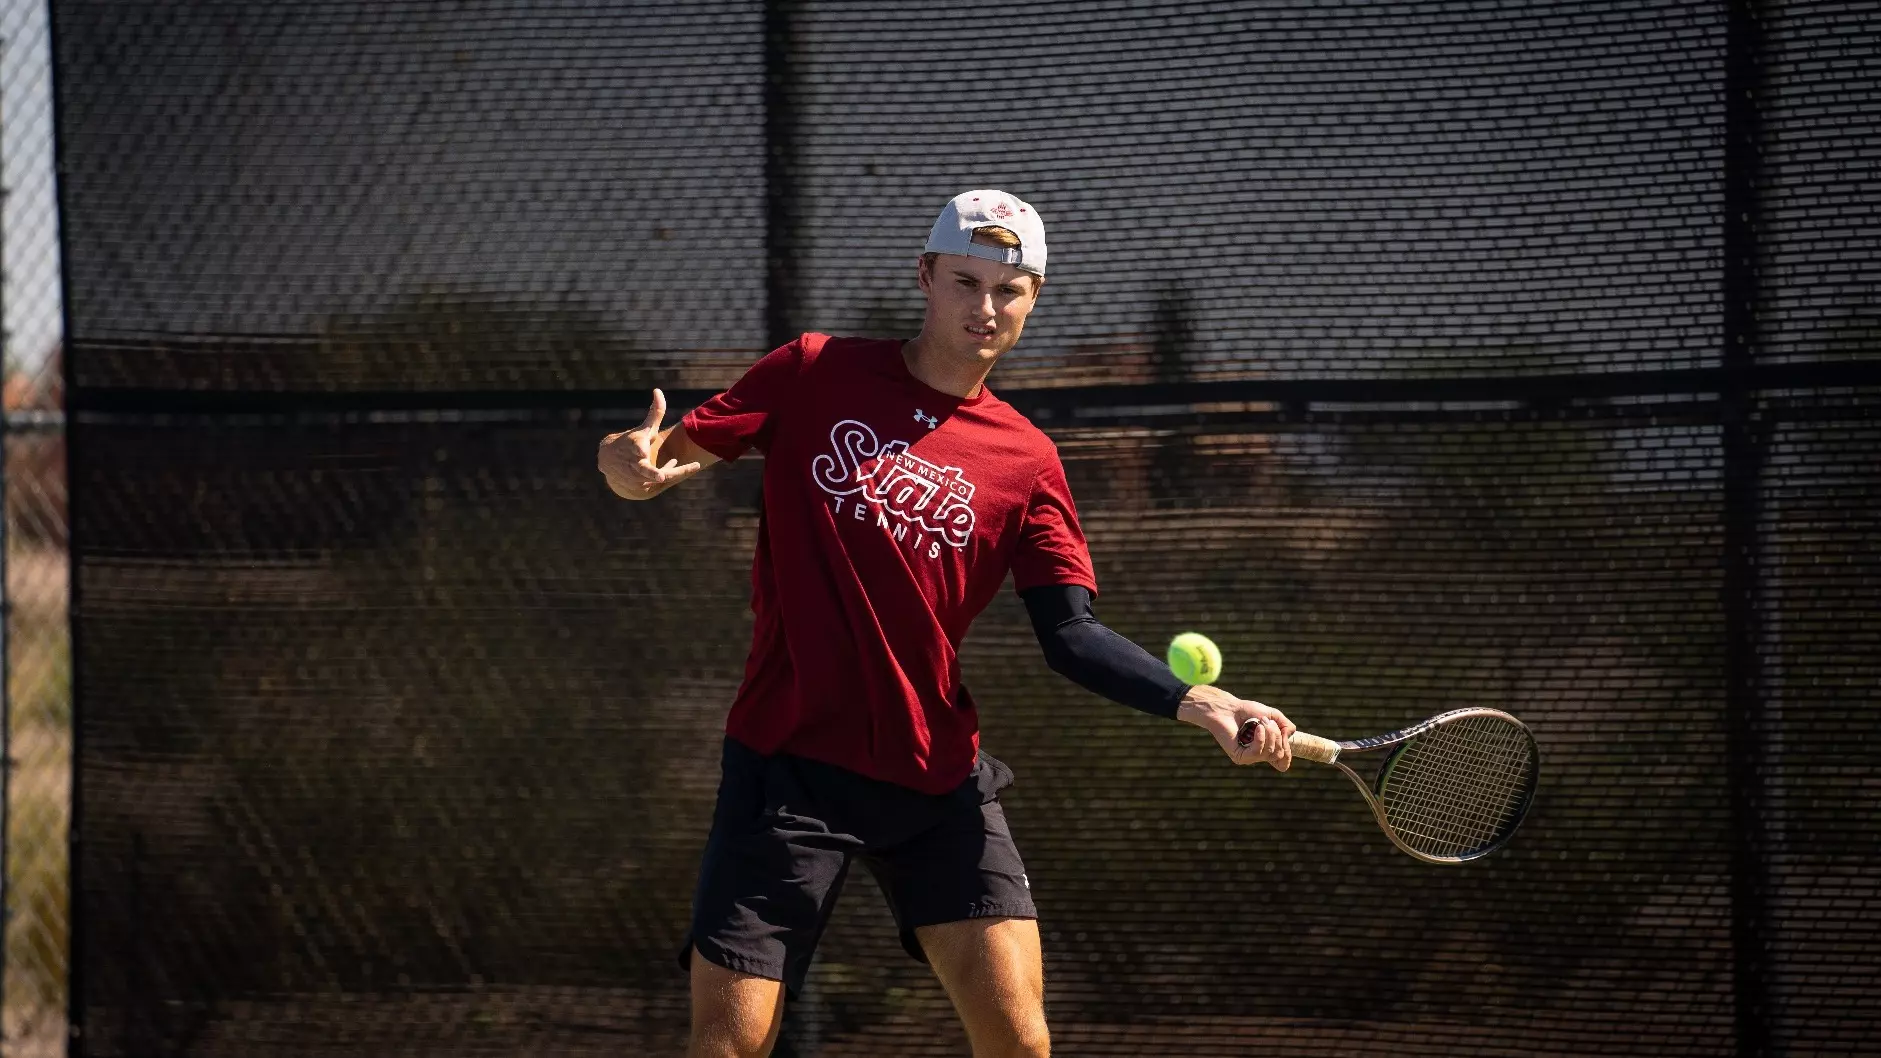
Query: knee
(1029, 1040)
(726, 1037)
(1034, 1045)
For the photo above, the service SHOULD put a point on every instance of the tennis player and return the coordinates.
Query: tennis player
(898, 494)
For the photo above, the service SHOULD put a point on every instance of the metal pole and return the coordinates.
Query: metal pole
(782, 210)
(1743, 442)
(77, 1045)
(6, 612)
(781, 206)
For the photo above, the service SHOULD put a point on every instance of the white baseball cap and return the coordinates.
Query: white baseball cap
(972, 210)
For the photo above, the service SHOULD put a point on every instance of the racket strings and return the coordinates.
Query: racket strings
(1460, 787)
(1462, 791)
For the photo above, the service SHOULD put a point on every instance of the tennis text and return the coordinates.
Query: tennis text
(932, 501)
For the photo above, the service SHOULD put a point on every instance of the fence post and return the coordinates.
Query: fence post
(782, 210)
(781, 207)
(1743, 454)
(6, 617)
(77, 1045)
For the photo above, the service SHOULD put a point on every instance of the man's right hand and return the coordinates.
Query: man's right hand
(629, 459)
(1221, 714)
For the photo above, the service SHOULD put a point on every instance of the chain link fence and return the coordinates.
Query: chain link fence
(38, 654)
(381, 753)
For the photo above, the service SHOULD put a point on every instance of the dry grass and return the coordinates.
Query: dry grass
(40, 744)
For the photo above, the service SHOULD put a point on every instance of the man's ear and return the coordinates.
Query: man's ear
(923, 272)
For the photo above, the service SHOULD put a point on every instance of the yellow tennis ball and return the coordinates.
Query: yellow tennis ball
(1194, 658)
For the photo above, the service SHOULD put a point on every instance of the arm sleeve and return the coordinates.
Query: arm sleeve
(1083, 651)
(1051, 543)
(744, 416)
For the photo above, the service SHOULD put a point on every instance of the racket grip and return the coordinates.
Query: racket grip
(1313, 748)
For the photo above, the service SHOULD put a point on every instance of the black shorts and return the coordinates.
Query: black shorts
(785, 830)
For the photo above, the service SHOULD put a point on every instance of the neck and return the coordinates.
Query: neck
(960, 376)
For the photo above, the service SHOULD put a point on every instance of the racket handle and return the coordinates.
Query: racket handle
(1313, 748)
(1303, 745)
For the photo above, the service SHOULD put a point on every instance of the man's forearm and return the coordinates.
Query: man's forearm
(1100, 660)
(1092, 656)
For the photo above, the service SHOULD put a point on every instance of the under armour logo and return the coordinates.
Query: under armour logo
(925, 419)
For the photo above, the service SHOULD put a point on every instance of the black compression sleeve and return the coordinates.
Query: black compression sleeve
(1096, 658)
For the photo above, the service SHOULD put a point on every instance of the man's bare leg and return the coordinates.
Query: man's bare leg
(991, 970)
(734, 1015)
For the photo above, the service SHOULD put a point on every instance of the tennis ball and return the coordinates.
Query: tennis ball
(1194, 658)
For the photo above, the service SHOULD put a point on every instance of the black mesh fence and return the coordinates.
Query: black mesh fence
(1424, 355)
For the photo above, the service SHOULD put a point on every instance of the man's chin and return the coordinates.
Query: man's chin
(978, 351)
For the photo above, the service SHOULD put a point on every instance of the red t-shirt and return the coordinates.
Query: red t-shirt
(892, 513)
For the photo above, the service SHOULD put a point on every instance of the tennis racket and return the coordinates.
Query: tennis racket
(1452, 789)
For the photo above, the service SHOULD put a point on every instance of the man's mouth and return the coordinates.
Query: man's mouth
(981, 332)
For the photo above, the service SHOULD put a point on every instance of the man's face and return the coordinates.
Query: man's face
(975, 307)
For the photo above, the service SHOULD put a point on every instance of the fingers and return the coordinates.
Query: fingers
(1262, 738)
(1273, 743)
(656, 413)
(625, 451)
(1252, 743)
(625, 458)
(1258, 733)
(659, 479)
(1248, 734)
(643, 480)
(672, 472)
(1283, 730)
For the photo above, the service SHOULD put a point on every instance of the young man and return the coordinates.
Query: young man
(898, 494)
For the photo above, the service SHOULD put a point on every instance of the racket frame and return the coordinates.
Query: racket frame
(1327, 751)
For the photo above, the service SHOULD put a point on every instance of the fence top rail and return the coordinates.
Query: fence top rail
(1051, 403)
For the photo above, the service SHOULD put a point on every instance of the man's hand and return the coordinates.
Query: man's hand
(629, 459)
(1221, 714)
